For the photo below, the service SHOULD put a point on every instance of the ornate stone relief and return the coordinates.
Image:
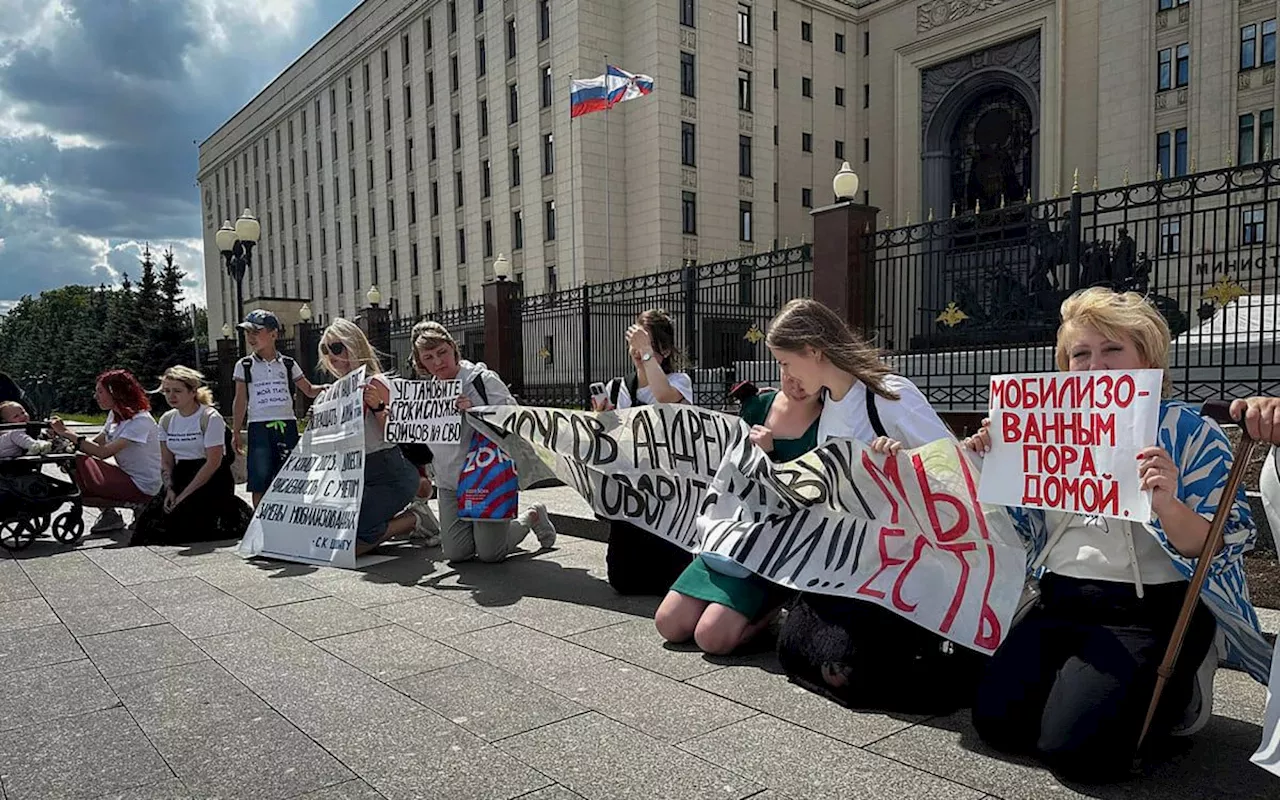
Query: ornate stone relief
(936, 13)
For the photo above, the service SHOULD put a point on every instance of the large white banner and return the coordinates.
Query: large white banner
(1069, 441)
(424, 412)
(311, 511)
(905, 531)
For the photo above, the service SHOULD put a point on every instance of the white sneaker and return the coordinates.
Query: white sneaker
(108, 520)
(426, 530)
(538, 521)
(1200, 710)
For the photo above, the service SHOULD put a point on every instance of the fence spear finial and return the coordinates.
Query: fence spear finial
(1095, 183)
(1159, 172)
(888, 222)
(866, 227)
(1075, 181)
(786, 241)
(1266, 152)
(953, 210)
(1028, 199)
(931, 213)
(977, 206)
(908, 222)
(1126, 174)
(1057, 189)
(1002, 199)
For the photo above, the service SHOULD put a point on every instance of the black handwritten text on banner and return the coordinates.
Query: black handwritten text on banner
(423, 412)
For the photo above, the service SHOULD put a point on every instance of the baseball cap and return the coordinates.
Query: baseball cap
(258, 319)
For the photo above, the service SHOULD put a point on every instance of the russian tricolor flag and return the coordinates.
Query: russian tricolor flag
(606, 91)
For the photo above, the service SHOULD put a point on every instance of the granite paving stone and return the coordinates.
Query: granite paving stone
(49, 692)
(244, 582)
(638, 642)
(130, 565)
(436, 618)
(347, 790)
(487, 701)
(30, 648)
(29, 613)
(197, 608)
(79, 757)
(599, 758)
(140, 649)
(659, 706)
(105, 612)
(361, 589)
(761, 686)
(805, 764)
(532, 655)
(321, 618)
(172, 789)
(556, 792)
(417, 755)
(391, 652)
(14, 583)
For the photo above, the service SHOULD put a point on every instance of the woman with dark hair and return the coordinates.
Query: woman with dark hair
(638, 561)
(131, 437)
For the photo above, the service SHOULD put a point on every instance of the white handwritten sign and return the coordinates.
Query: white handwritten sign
(423, 412)
(270, 394)
(310, 512)
(906, 532)
(1069, 441)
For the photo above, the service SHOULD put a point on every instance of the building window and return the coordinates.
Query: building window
(1170, 237)
(484, 118)
(806, 142)
(457, 131)
(1182, 66)
(806, 87)
(687, 78)
(513, 105)
(544, 20)
(408, 154)
(744, 221)
(1253, 225)
(806, 32)
(404, 50)
(1245, 138)
(744, 156)
(391, 215)
(462, 246)
(806, 198)
(1180, 151)
(1248, 47)
(408, 102)
(488, 238)
(517, 230)
(744, 90)
(515, 166)
(511, 38)
(1163, 150)
(839, 95)
(413, 208)
(553, 285)
(482, 60)
(436, 253)
(839, 150)
(688, 145)
(548, 154)
(413, 259)
(744, 24)
(1165, 5)
(427, 37)
(1269, 42)
(386, 65)
(688, 213)
(839, 42)
(435, 198)
(546, 86)
(1266, 130)
(452, 13)
(479, 7)
(431, 87)
(458, 197)
(453, 73)
(687, 13)
(486, 180)
(432, 152)
(866, 95)
(549, 214)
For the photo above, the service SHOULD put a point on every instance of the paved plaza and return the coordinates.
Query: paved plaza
(186, 672)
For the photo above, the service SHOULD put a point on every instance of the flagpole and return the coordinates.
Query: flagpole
(608, 204)
(573, 194)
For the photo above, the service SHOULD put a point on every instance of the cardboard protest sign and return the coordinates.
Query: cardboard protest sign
(906, 531)
(311, 510)
(423, 412)
(1069, 441)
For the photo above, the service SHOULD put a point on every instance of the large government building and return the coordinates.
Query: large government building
(421, 138)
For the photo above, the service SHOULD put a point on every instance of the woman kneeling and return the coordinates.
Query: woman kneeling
(1073, 680)
(716, 602)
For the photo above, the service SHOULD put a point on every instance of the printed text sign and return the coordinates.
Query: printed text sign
(423, 412)
(270, 394)
(1069, 441)
(311, 510)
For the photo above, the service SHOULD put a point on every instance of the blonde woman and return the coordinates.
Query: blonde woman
(1072, 681)
(436, 354)
(198, 501)
(390, 481)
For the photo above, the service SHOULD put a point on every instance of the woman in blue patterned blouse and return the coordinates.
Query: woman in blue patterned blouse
(1072, 681)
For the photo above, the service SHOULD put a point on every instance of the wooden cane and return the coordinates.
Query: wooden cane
(1218, 410)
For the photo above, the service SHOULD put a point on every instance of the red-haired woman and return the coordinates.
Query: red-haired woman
(130, 436)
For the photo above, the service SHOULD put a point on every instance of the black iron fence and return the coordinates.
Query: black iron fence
(465, 323)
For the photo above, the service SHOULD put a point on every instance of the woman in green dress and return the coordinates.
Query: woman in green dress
(716, 602)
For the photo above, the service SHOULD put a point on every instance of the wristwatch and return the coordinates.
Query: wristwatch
(647, 357)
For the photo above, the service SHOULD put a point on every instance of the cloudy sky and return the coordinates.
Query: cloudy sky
(102, 103)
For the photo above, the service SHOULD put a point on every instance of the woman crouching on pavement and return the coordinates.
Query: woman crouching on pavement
(1072, 681)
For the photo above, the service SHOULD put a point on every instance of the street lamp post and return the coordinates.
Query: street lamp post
(236, 245)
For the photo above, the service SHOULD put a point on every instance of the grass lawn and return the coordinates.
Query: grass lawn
(85, 419)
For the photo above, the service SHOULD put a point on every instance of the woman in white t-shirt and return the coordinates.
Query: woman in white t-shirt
(199, 501)
(130, 436)
(857, 652)
(639, 562)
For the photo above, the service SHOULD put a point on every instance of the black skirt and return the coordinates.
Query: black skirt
(212, 513)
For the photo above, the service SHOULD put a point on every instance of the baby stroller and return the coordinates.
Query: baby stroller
(29, 498)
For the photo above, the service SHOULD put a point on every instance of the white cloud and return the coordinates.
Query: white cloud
(25, 195)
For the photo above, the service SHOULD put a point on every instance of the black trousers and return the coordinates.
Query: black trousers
(640, 563)
(1073, 680)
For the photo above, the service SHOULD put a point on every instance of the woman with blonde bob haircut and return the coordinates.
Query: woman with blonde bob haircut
(1072, 681)
(198, 501)
(390, 481)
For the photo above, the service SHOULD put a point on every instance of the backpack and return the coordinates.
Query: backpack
(228, 450)
(246, 364)
(633, 387)
(420, 455)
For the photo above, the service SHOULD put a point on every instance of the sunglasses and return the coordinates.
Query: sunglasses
(335, 349)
